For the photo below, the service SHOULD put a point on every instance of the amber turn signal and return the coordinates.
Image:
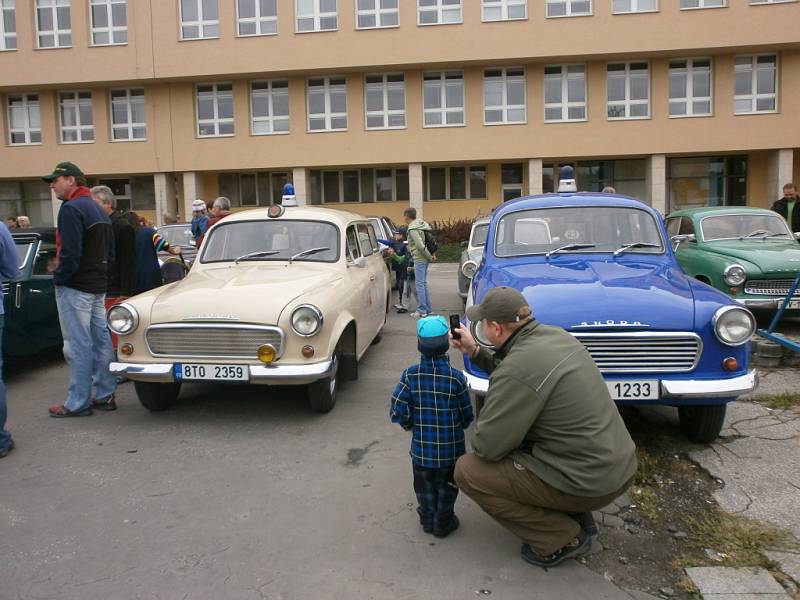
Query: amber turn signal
(266, 353)
(308, 351)
(730, 364)
(126, 349)
(734, 291)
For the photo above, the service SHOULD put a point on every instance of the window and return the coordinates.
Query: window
(377, 13)
(109, 22)
(702, 4)
(628, 90)
(327, 104)
(634, 6)
(770, 1)
(363, 185)
(438, 12)
(77, 124)
(340, 186)
(257, 17)
(504, 96)
(269, 107)
(8, 25)
(24, 119)
(707, 181)
(443, 98)
(455, 183)
(214, 109)
(53, 24)
(564, 93)
(315, 15)
(253, 189)
(391, 184)
(385, 101)
(199, 19)
(568, 8)
(690, 87)
(127, 115)
(756, 83)
(505, 10)
(511, 181)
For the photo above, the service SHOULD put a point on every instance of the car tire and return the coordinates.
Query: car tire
(322, 394)
(702, 424)
(156, 397)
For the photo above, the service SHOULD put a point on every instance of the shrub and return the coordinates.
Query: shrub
(452, 231)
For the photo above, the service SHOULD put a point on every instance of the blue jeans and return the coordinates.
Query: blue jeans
(5, 437)
(423, 297)
(87, 346)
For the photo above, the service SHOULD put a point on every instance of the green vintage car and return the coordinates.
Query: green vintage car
(31, 317)
(748, 253)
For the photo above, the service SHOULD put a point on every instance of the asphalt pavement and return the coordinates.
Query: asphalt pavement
(241, 492)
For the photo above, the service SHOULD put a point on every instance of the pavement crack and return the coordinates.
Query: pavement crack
(747, 507)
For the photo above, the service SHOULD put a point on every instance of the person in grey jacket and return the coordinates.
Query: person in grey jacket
(9, 269)
(549, 445)
(421, 257)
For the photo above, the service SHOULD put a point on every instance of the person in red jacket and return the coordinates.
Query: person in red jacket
(219, 210)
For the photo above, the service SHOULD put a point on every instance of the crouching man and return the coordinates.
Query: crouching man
(549, 445)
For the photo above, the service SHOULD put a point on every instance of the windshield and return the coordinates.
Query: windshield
(177, 236)
(272, 240)
(479, 235)
(573, 229)
(745, 226)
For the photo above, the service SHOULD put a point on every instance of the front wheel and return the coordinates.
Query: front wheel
(157, 396)
(322, 394)
(702, 423)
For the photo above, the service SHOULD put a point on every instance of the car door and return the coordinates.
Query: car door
(376, 293)
(358, 287)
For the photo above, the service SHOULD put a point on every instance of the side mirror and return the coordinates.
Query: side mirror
(360, 262)
(677, 240)
(797, 235)
(464, 244)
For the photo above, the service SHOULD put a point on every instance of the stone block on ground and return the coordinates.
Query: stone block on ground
(715, 581)
(611, 509)
(789, 562)
(613, 521)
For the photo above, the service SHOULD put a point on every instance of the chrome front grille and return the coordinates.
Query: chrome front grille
(6, 287)
(770, 287)
(200, 340)
(639, 352)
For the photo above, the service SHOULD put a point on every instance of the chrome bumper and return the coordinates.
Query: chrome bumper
(766, 303)
(272, 374)
(672, 389)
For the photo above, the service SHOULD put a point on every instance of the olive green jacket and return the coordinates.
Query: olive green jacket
(416, 241)
(548, 408)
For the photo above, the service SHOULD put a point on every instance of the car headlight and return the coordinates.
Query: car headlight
(735, 275)
(469, 268)
(479, 335)
(733, 325)
(122, 319)
(306, 320)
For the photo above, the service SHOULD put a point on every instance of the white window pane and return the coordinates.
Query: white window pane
(261, 127)
(639, 87)
(516, 115)
(396, 97)
(552, 114)
(743, 105)
(316, 124)
(316, 101)
(744, 83)
(432, 93)
(552, 89)
(99, 16)
(677, 108)
(327, 23)
(639, 110)
(701, 107)
(375, 121)
(433, 118)
(248, 28)
(374, 99)
(454, 95)
(516, 92)
(701, 83)
(576, 112)
(576, 89)
(397, 120)
(677, 85)
(455, 118)
(765, 104)
(616, 88)
(493, 116)
(516, 12)
(280, 104)
(118, 16)
(765, 81)
(281, 125)
(247, 8)
(339, 123)
(338, 101)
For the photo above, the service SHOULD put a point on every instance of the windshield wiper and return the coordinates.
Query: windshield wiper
(308, 252)
(763, 234)
(632, 245)
(755, 233)
(567, 248)
(257, 253)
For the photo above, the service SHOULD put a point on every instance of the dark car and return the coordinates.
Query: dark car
(31, 317)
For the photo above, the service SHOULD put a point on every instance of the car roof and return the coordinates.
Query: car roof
(571, 199)
(302, 213)
(47, 234)
(712, 210)
(481, 221)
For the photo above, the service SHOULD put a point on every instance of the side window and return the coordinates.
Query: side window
(353, 251)
(687, 227)
(673, 226)
(372, 238)
(364, 240)
(45, 260)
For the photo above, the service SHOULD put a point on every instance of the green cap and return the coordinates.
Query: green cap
(64, 169)
(502, 304)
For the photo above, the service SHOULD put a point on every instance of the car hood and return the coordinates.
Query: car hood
(248, 292)
(770, 256)
(598, 294)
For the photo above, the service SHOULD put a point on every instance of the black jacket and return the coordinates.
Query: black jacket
(781, 206)
(122, 270)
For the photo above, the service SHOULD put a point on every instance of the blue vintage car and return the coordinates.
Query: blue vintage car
(601, 266)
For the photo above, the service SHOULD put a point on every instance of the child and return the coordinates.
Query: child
(399, 255)
(433, 402)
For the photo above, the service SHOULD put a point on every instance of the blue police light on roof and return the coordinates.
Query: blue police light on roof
(566, 180)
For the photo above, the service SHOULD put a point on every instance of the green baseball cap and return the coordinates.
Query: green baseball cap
(64, 169)
(502, 304)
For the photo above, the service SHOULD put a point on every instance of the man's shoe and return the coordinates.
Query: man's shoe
(451, 526)
(575, 549)
(4, 452)
(108, 403)
(402, 310)
(398, 306)
(59, 411)
(416, 314)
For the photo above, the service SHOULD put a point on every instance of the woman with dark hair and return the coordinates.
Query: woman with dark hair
(148, 243)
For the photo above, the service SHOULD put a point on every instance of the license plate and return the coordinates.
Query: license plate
(189, 372)
(635, 389)
(792, 304)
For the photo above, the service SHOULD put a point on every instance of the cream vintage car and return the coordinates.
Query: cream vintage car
(280, 296)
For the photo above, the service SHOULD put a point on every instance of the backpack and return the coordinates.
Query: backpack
(173, 269)
(431, 245)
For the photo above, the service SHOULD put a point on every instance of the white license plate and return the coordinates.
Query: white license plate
(633, 389)
(191, 372)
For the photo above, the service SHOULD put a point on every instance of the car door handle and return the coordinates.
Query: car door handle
(34, 291)
(372, 277)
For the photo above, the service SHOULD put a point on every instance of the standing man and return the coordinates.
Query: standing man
(549, 445)
(219, 210)
(9, 269)
(85, 245)
(421, 257)
(787, 206)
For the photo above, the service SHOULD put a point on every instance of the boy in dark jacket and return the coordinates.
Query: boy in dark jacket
(432, 400)
(398, 253)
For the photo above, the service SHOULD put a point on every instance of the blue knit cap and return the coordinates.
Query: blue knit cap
(432, 337)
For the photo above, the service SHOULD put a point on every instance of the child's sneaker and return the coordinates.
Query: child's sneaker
(402, 310)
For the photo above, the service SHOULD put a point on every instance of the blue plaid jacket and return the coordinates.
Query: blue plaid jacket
(432, 399)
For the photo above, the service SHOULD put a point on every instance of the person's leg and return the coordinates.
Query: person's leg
(401, 279)
(425, 489)
(5, 436)
(75, 315)
(420, 275)
(445, 519)
(105, 384)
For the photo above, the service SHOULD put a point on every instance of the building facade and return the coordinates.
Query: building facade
(450, 106)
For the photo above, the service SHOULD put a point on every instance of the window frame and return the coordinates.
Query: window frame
(258, 20)
(386, 112)
(317, 15)
(130, 124)
(702, 5)
(762, 2)
(27, 130)
(11, 7)
(340, 184)
(327, 115)
(503, 5)
(505, 107)
(393, 171)
(377, 12)
(443, 110)
(628, 102)
(271, 118)
(565, 103)
(690, 98)
(467, 184)
(57, 30)
(76, 101)
(754, 96)
(201, 23)
(635, 11)
(439, 9)
(216, 120)
(568, 6)
(110, 29)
